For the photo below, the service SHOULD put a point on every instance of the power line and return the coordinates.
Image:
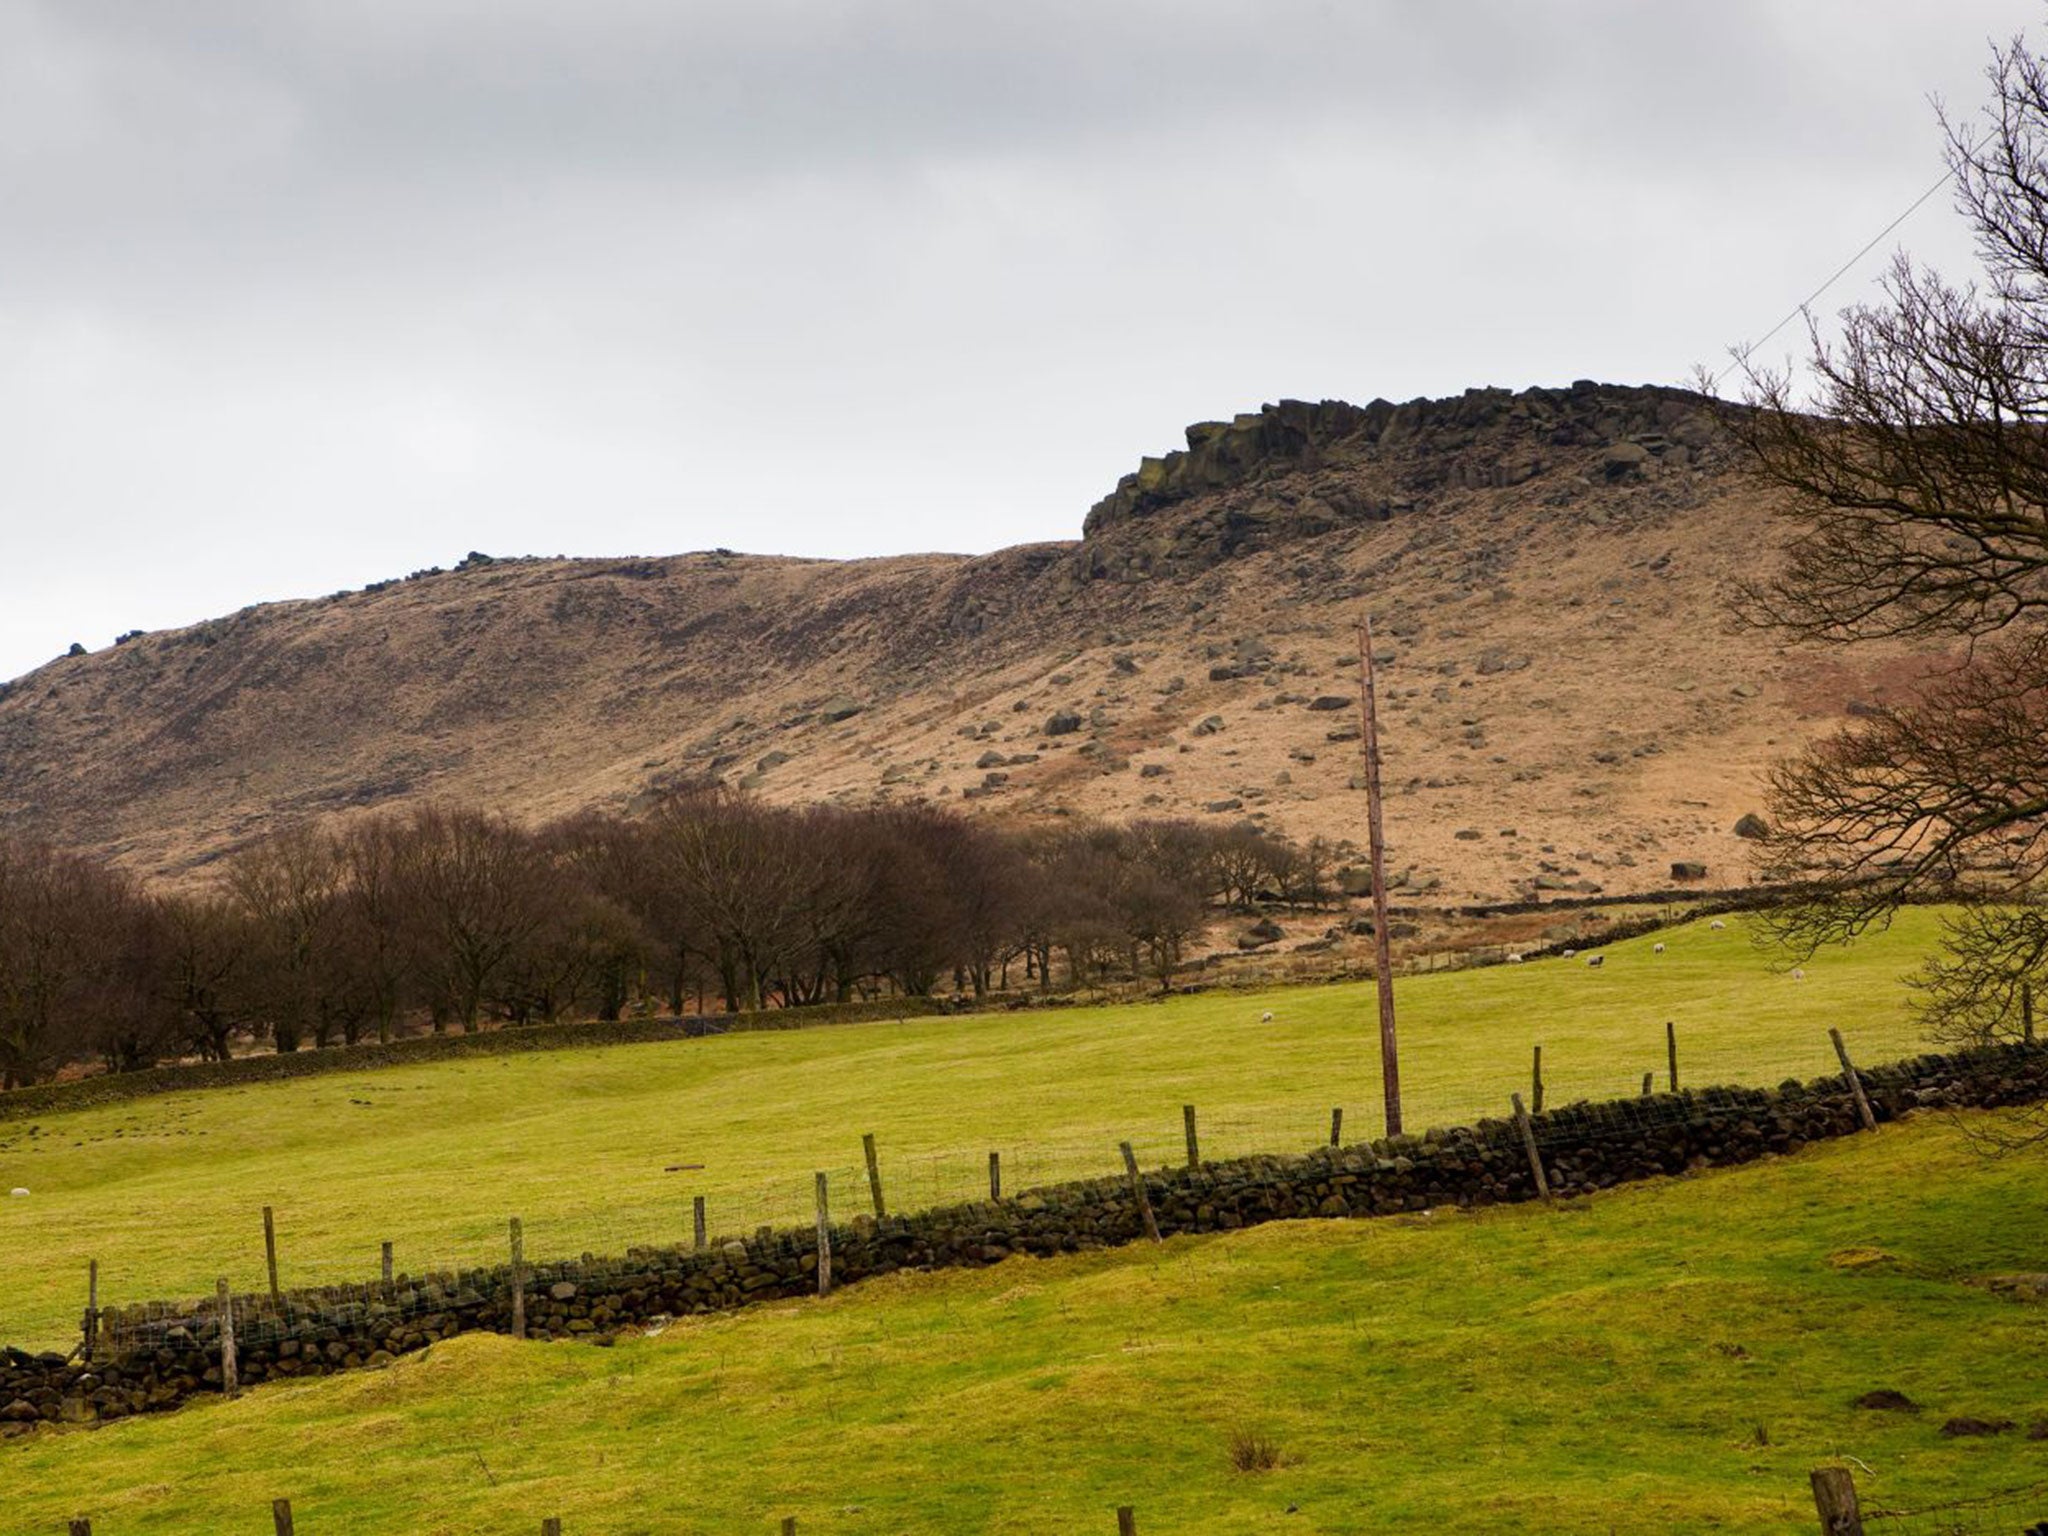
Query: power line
(1840, 272)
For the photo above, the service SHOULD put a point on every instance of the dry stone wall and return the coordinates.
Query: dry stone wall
(153, 1357)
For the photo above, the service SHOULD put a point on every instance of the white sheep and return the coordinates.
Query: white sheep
(1514, 959)
(1594, 962)
(1656, 949)
(17, 1192)
(1569, 953)
(1717, 923)
(1266, 1017)
(1798, 974)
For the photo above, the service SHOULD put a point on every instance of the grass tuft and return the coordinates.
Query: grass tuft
(1253, 1450)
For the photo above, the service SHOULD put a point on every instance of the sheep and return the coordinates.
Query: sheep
(1656, 949)
(1266, 1017)
(1594, 962)
(1717, 923)
(1798, 974)
(1569, 953)
(17, 1192)
(1514, 959)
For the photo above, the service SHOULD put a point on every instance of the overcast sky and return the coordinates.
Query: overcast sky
(298, 294)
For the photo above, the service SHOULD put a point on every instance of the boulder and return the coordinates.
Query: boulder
(1062, 723)
(840, 708)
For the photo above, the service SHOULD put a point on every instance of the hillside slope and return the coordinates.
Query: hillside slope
(1670, 1357)
(1567, 708)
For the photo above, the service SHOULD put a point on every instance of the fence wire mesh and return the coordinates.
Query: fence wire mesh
(2019, 1511)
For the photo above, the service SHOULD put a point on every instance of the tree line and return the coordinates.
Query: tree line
(451, 918)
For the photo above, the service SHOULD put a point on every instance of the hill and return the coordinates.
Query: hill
(1672, 1356)
(1566, 708)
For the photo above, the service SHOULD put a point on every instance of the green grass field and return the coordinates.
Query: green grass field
(1669, 1357)
(167, 1193)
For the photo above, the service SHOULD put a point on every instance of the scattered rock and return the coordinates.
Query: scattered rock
(1152, 771)
(1328, 703)
(2021, 1287)
(1218, 807)
(840, 708)
(1885, 1400)
(1752, 826)
(1208, 727)
(1622, 461)
(1062, 723)
(990, 760)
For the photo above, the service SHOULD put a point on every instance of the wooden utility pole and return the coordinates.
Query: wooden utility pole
(1383, 958)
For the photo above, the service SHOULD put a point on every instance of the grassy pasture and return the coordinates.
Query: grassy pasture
(1671, 1356)
(166, 1192)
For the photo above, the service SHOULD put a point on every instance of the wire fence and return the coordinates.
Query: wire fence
(2006, 1512)
(645, 1203)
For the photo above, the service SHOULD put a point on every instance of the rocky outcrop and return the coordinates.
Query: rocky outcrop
(1297, 470)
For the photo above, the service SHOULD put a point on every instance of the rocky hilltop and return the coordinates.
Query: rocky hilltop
(1567, 709)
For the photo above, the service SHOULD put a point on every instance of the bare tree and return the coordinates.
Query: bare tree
(1917, 481)
(64, 920)
(477, 891)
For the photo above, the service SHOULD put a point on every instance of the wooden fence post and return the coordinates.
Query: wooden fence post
(281, 1516)
(1138, 1192)
(1671, 1050)
(81, 1527)
(995, 1175)
(1337, 1126)
(270, 1250)
(824, 1241)
(1855, 1083)
(386, 1258)
(1126, 1521)
(789, 1525)
(2027, 1010)
(1187, 1120)
(1649, 1084)
(551, 1526)
(1834, 1496)
(518, 1281)
(1529, 1145)
(92, 1307)
(228, 1381)
(697, 1221)
(867, 1146)
(1536, 1081)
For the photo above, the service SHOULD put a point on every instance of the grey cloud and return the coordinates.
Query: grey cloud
(296, 294)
